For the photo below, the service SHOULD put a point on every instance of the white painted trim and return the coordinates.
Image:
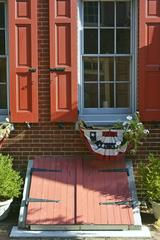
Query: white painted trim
(20, 234)
(105, 116)
(79, 29)
(132, 187)
(23, 208)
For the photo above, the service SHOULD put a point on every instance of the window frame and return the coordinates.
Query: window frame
(110, 115)
(5, 112)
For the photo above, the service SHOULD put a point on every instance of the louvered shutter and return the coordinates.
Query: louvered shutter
(63, 60)
(23, 60)
(149, 59)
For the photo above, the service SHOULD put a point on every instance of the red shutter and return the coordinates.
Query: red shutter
(23, 57)
(63, 60)
(149, 60)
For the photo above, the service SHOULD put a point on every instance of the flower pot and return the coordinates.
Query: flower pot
(4, 208)
(156, 209)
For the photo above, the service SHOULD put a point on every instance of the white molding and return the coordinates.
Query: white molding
(20, 234)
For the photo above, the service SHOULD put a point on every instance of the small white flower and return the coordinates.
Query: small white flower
(140, 124)
(7, 119)
(125, 123)
(118, 143)
(129, 117)
(146, 131)
(128, 130)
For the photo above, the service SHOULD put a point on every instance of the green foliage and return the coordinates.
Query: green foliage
(134, 132)
(150, 173)
(10, 180)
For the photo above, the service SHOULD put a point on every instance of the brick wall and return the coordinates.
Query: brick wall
(46, 138)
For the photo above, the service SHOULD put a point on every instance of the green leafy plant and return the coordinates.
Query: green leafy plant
(150, 177)
(10, 180)
(134, 132)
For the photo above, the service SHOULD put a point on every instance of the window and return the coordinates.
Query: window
(107, 59)
(3, 59)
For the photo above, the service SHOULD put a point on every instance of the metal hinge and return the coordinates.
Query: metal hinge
(44, 170)
(115, 170)
(131, 203)
(36, 200)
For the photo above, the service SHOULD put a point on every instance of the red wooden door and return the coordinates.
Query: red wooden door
(63, 60)
(23, 60)
(80, 187)
(96, 188)
(149, 60)
(55, 180)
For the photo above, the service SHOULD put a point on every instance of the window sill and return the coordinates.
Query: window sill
(101, 120)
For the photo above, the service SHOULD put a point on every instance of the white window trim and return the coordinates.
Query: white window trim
(5, 112)
(104, 118)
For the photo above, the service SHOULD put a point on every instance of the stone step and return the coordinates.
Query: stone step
(142, 234)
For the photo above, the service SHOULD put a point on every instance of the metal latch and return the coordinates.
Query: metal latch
(32, 70)
(57, 69)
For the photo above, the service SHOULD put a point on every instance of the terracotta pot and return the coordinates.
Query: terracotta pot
(4, 208)
(156, 209)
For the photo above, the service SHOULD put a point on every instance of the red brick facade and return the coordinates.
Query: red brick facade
(47, 138)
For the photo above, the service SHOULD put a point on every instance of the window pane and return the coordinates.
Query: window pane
(2, 42)
(123, 95)
(2, 70)
(123, 41)
(107, 14)
(3, 96)
(90, 14)
(2, 15)
(123, 14)
(90, 41)
(90, 95)
(123, 69)
(90, 69)
(107, 41)
(107, 95)
(106, 69)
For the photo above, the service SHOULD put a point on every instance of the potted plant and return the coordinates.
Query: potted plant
(10, 184)
(150, 177)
